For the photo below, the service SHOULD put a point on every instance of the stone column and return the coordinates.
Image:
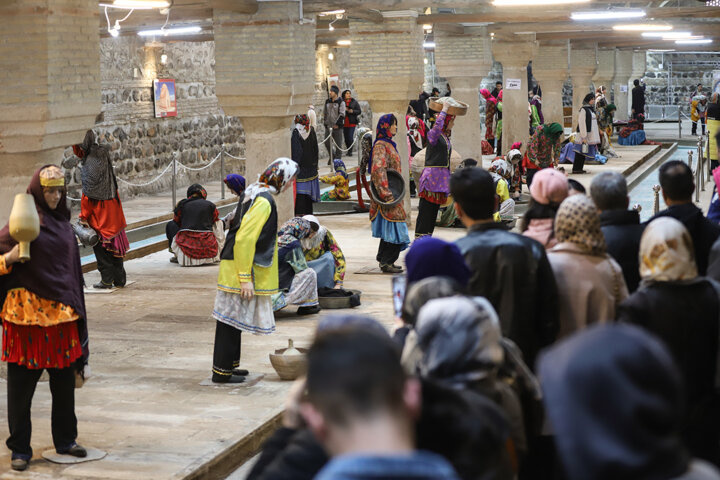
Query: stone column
(621, 83)
(605, 71)
(265, 73)
(386, 62)
(465, 60)
(550, 69)
(50, 91)
(515, 57)
(583, 65)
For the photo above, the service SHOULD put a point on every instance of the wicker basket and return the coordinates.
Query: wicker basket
(289, 367)
(457, 111)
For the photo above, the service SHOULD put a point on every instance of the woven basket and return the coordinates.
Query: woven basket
(457, 111)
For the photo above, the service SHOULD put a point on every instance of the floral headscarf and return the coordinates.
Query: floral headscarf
(293, 230)
(382, 134)
(487, 96)
(273, 179)
(577, 221)
(501, 167)
(666, 252)
(302, 125)
(339, 167)
(196, 188)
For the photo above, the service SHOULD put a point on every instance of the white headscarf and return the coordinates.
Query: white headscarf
(273, 179)
(666, 252)
(414, 132)
(303, 130)
(318, 238)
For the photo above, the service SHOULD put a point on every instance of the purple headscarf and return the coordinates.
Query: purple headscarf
(432, 257)
(382, 133)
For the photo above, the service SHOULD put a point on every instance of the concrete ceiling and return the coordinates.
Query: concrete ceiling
(551, 24)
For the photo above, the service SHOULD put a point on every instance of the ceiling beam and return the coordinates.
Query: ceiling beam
(237, 6)
(365, 14)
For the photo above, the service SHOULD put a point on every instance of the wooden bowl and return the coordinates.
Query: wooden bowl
(289, 367)
(457, 111)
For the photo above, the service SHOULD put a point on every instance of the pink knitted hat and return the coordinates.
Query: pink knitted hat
(549, 187)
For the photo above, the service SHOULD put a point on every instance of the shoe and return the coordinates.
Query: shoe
(308, 310)
(390, 269)
(578, 172)
(227, 378)
(240, 372)
(75, 450)
(173, 259)
(19, 464)
(101, 285)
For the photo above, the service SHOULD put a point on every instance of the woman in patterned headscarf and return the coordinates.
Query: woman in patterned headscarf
(298, 282)
(304, 148)
(672, 290)
(43, 319)
(248, 275)
(490, 109)
(388, 223)
(339, 180)
(100, 208)
(590, 282)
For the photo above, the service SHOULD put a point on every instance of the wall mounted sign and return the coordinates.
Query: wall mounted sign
(333, 80)
(513, 83)
(623, 88)
(165, 100)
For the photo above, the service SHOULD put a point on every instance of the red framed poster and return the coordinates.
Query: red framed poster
(164, 95)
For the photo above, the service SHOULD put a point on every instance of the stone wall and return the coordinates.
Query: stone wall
(687, 71)
(142, 145)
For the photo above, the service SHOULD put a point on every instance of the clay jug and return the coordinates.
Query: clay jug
(24, 223)
(291, 350)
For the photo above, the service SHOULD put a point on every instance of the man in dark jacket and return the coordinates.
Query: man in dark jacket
(334, 120)
(638, 99)
(621, 227)
(676, 180)
(510, 270)
(352, 114)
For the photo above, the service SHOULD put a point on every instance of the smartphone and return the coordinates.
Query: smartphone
(398, 291)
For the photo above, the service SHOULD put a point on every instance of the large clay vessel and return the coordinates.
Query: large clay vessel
(24, 223)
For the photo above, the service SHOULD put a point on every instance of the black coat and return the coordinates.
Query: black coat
(638, 99)
(713, 111)
(305, 154)
(622, 230)
(513, 273)
(703, 231)
(685, 316)
(356, 111)
(289, 453)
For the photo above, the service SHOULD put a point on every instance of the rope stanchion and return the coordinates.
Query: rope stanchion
(192, 169)
(147, 183)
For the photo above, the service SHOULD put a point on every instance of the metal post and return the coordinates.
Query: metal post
(222, 175)
(174, 181)
(701, 164)
(690, 159)
(656, 199)
(679, 123)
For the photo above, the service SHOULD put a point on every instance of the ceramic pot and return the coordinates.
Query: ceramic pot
(24, 223)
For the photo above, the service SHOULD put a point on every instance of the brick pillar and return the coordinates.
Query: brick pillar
(50, 77)
(621, 83)
(265, 74)
(386, 62)
(550, 69)
(582, 69)
(515, 57)
(605, 71)
(465, 60)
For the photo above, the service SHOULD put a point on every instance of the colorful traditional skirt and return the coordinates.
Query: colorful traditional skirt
(434, 185)
(254, 315)
(38, 347)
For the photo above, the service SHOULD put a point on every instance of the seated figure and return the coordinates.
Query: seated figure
(324, 255)
(195, 234)
(298, 282)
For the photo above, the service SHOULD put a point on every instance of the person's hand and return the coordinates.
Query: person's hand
(335, 127)
(247, 291)
(12, 256)
(349, 110)
(446, 107)
(83, 222)
(338, 286)
(291, 416)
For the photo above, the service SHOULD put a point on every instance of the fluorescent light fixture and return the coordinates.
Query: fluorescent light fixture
(667, 35)
(141, 4)
(614, 14)
(661, 50)
(333, 12)
(428, 45)
(642, 27)
(697, 41)
(534, 3)
(170, 31)
(427, 26)
(344, 43)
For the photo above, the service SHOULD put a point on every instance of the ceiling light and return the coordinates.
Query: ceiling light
(661, 50)
(534, 3)
(333, 12)
(141, 4)
(667, 35)
(344, 43)
(697, 41)
(114, 32)
(425, 61)
(170, 31)
(331, 28)
(428, 45)
(331, 56)
(608, 14)
(427, 26)
(163, 59)
(642, 27)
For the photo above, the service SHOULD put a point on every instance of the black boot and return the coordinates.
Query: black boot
(227, 378)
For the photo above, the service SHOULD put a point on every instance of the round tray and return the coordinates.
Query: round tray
(396, 183)
(457, 111)
(335, 303)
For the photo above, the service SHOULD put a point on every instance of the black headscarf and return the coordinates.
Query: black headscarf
(615, 400)
(194, 191)
(54, 271)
